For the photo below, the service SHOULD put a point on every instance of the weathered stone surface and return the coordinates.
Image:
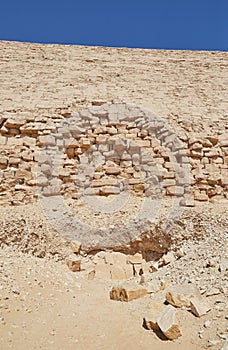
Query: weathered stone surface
(127, 292)
(107, 190)
(168, 324)
(135, 259)
(199, 307)
(182, 295)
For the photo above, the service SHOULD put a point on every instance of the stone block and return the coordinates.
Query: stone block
(168, 324)
(199, 307)
(107, 190)
(46, 140)
(175, 191)
(181, 296)
(23, 174)
(127, 291)
(14, 160)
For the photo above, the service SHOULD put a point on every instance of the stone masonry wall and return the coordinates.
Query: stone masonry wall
(107, 149)
(43, 87)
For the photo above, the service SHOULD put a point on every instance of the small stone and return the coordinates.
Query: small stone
(199, 307)
(74, 263)
(168, 325)
(211, 263)
(207, 324)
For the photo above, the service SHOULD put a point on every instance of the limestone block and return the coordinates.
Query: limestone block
(101, 139)
(196, 154)
(27, 156)
(121, 272)
(115, 258)
(201, 196)
(187, 202)
(32, 128)
(169, 182)
(23, 174)
(85, 143)
(199, 307)
(181, 295)
(46, 140)
(127, 291)
(21, 188)
(197, 146)
(14, 160)
(91, 191)
(168, 324)
(28, 141)
(14, 123)
(175, 191)
(14, 142)
(213, 153)
(104, 182)
(114, 170)
(107, 190)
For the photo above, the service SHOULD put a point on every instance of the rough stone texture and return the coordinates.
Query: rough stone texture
(167, 323)
(199, 307)
(180, 296)
(127, 292)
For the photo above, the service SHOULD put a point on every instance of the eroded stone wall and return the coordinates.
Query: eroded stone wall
(106, 149)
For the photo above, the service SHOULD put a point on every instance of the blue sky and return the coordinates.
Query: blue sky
(160, 24)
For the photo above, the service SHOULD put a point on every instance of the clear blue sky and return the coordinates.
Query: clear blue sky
(165, 24)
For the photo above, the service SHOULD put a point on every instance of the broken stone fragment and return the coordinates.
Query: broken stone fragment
(167, 259)
(181, 296)
(74, 263)
(199, 307)
(168, 324)
(127, 291)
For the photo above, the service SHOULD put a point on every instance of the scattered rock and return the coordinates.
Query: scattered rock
(127, 292)
(168, 324)
(199, 307)
(74, 263)
(181, 296)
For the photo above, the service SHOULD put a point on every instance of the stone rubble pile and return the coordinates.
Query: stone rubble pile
(134, 280)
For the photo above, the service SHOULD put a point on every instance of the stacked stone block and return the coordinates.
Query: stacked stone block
(107, 149)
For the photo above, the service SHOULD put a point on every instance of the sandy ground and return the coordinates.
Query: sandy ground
(44, 305)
